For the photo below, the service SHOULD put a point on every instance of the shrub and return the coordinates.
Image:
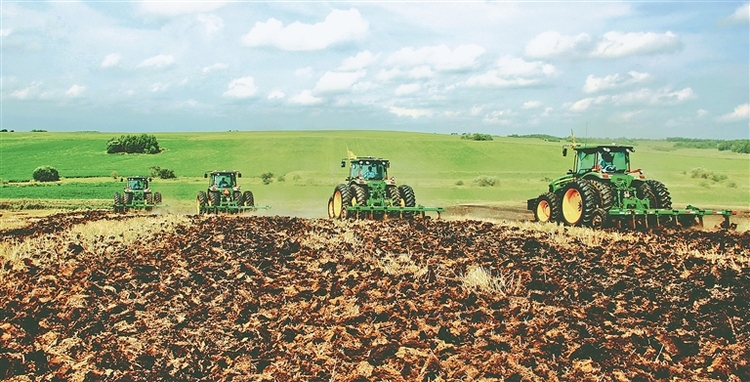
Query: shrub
(162, 173)
(476, 136)
(702, 173)
(267, 177)
(114, 175)
(460, 183)
(133, 144)
(281, 178)
(46, 174)
(485, 181)
(296, 178)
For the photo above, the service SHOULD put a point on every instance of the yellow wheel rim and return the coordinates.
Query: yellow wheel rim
(572, 206)
(198, 206)
(330, 209)
(354, 200)
(337, 204)
(543, 211)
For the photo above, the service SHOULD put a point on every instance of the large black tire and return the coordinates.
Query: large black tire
(342, 198)
(331, 214)
(157, 197)
(663, 198)
(396, 201)
(248, 199)
(547, 208)
(604, 192)
(359, 198)
(599, 218)
(200, 202)
(128, 198)
(237, 198)
(410, 200)
(118, 202)
(578, 203)
(149, 198)
(643, 191)
(215, 198)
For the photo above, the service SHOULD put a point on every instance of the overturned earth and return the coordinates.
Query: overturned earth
(99, 296)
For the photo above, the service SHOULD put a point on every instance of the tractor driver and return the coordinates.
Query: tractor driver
(606, 163)
(223, 182)
(370, 173)
(136, 185)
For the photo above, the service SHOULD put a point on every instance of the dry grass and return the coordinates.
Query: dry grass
(480, 278)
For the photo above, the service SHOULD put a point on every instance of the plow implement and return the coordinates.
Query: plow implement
(650, 218)
(231, 208)
(380, 212)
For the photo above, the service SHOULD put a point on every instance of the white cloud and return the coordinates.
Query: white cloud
(553, 44)
(337, 81)
(159, 87)
(24, 93)
(75, 90)
(407, 89)
(212, 23)
(421, 72)
(339, 26)
(111, 60)
(362, 87)
(440, 57)
(617, 44)
(741, 15)
(476, 110)
(414, 113)
(645, 96)
(360, 61)
(306, 98)
(390, 74)
(513, 72)
(305, 72)
(215, 67)
(626, 116)
(582, 105)
(531, 104)
(243, 87)
(276, 94)
(498, 117)
(702, 112)
(159, 61)
(595, 84)
(741, 112)
(177, 8)
(5, 32)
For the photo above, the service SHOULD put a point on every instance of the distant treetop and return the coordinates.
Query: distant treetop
(133, 144)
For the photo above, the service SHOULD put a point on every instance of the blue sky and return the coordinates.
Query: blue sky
(607, 69)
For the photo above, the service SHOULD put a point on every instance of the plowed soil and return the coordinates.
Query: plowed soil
(289, 299)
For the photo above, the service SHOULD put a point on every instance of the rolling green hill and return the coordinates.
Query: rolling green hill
(309, 161)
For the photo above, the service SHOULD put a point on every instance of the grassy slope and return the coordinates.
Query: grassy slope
(431, 163)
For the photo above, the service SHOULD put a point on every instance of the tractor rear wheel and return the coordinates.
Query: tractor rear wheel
(396, 201)
(237, 198)
(157, 197)
(663, 198)
(331, 213)
(604, 191)
(599, 218)
(342, 198)
(359, 198)
(687, 221)
(578, 202)
(149, 198)
(128, 198)
(547, 208)
(119, 202)
(248, 199)
(643, 191)
(410, 200)
(201, 202)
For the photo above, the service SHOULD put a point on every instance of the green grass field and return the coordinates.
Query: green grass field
(309, 161)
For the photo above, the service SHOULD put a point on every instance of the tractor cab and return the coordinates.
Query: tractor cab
(137, 183)
(365, 169)
(601, 159)
(222, 179)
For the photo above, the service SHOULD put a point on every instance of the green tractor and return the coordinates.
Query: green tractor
(136, 195)
(370, 193)
(224, 194)
(603, 190)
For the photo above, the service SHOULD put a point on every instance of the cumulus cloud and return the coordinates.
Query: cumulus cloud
(75, 90)
(645, 96)
(498, 117)
(337, 81)
(741, 15)
(414, 113)
(5, 32)
(553, 44)
(439, 57)
(741, 112)
(617, 44)
(582, 105)
(211, 23)
(160, 61)
(215, 67)
(360, 61)
(339, 26)
(595, 84)
(276, 94)
(305, 72)
(531, 104)
(513, 72)
(177, 8)
(306, 98)
(407, 89)
(243, 87)
(111, 60)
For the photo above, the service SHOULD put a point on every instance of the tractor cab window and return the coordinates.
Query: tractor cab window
(621, 161)
(354, 172)
(136, 184)
(586, 161)
(222, 180)
(373, 171)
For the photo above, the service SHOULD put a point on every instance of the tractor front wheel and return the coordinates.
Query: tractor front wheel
(578, 203)
(248, 199)
(331, 213)
(128, 198)
(201, 202)
(119, 202)
(396, 201)
(547, 208)
(157, 197)
(410, 200)
(359, 198)
(215, 198)
(342, 198)
(662, 196)
(149, 198)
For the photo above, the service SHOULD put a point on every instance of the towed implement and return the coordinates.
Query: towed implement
(370, 194)
(225, 195)
(603, 191)
(136, 195)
